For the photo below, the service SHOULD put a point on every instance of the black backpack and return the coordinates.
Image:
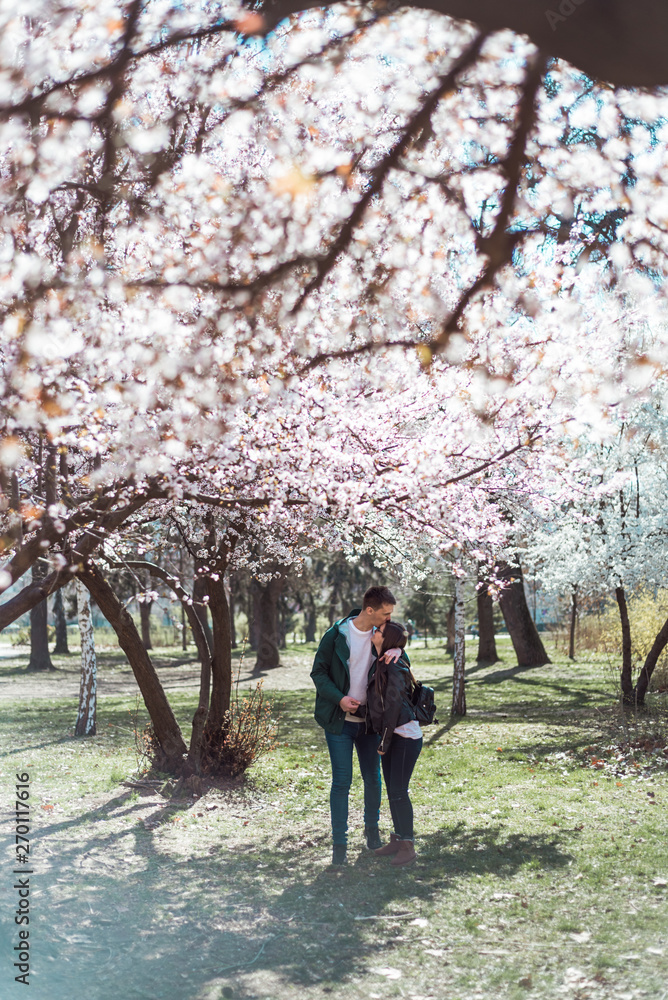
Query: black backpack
(422, 700)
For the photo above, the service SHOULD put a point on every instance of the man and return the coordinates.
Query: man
(340, 672)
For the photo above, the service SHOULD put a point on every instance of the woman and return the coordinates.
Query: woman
(389, 713)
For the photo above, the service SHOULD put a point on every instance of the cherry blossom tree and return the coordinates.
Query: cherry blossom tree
(336, 280)
(610, 536)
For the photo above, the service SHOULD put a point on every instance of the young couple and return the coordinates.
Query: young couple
(362, 679)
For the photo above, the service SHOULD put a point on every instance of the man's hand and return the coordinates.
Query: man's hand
(349, 704)
(391, 656)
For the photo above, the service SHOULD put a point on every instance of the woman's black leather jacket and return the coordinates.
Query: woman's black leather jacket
(392, 707)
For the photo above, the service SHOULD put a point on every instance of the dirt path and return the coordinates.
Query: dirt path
(116, 678)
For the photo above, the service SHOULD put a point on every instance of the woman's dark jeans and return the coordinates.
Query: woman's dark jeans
(398, 764)
(340, 747)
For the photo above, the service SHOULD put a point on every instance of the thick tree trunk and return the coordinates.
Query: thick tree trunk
(188, 611)
(310, 618)
(231, 600)
(86, 718)
(450, 630)
(221, 661)
(486, 641)
(574, 618)
(201, 712)
(627, 663)
(251, 601)
(333, 603)
(459, 663)
(265, 608)
(61, 648)
(282, 613)
(524, 635)
(165, 726)
(145, 622)
(645, 675)
(40, 658)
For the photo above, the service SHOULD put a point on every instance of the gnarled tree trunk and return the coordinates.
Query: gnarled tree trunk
(524, 635)
(167, 732)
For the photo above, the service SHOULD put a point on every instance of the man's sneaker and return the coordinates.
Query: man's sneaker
(372, 834)
(339, 854)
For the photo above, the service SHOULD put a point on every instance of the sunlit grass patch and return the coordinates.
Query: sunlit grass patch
(530, 865)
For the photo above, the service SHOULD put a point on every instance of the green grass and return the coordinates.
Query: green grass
(540, 821)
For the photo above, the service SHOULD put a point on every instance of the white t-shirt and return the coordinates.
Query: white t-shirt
(359, 663)
(410, 730)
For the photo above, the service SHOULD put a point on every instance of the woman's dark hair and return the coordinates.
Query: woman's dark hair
(394, 637)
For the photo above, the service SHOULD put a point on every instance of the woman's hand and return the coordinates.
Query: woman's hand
(391, 656)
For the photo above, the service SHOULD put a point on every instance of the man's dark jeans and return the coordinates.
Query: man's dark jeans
(341, 755)
(398, 764)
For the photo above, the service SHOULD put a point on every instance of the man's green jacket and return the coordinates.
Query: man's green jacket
(331, 674)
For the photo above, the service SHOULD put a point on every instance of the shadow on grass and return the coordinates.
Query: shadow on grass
(275, 910)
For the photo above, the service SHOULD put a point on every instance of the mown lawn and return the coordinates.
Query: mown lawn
(542, 871)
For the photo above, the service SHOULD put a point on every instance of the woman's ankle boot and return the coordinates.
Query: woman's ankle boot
(405, 853)
(390, 848)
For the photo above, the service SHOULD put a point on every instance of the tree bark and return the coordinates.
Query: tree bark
(61, 648)
(524, 635)
(459, 662)
(574, 618)
(648, 666)
(199, 595)
(40, 657)
(145, 622)
(310, 618)
(188, 611)
(627, 664)
(87, 716)
(184, 630)
(265, 608)
(621, 43)
(486, 642)
(450, 629)
(165, 726)
(221, 661)
(231, 600)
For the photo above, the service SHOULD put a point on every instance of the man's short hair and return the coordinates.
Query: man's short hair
(375, 597)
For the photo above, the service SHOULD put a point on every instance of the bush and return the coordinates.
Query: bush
(248, 733)
(648, 611)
